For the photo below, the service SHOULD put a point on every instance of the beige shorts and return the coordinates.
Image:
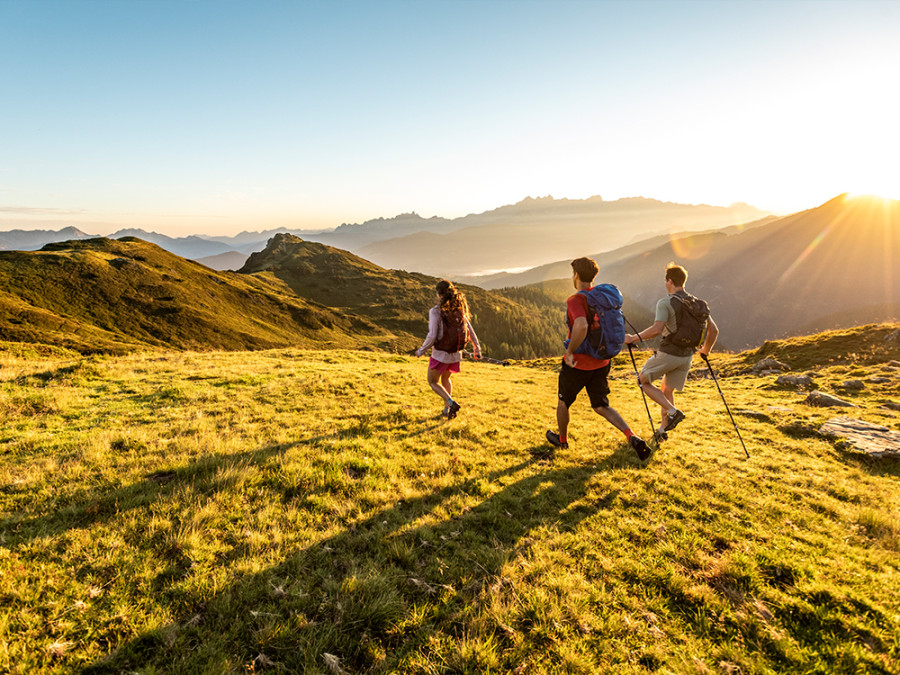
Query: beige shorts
(673, 369)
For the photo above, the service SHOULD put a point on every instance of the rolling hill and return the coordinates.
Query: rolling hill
(399, 300)
(116, 295)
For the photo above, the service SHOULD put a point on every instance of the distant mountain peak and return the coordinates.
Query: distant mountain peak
(288, 250)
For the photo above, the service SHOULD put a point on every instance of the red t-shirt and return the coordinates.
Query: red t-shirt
(576, 306)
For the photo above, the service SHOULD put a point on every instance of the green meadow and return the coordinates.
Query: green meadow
(301, 511)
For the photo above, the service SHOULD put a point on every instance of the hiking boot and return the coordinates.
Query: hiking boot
(452, 409)
(446, 412)
(553, 437)
(660, 436)
(673, 419)
(643, 452)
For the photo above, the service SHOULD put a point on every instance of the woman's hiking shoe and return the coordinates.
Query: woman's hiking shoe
(553, 437)
(673, 419)
(446, 412)
(643, 452)
(453, 409)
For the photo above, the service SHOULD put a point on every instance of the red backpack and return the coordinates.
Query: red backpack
(456, 332)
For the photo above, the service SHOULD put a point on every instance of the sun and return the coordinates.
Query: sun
(870, 198)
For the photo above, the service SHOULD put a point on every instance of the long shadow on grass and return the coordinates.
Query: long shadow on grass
(207, 475)
(416, 572)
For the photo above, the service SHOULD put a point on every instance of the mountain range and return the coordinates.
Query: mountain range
(531, 232)
(828, 267)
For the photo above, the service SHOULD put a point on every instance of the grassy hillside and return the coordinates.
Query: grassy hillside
(307, 511)
(400, 300)
(103, 295)
(114, 295)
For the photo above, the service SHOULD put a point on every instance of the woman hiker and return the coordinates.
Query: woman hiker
(449, 329)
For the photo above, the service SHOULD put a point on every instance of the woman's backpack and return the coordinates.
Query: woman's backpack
(455, 333)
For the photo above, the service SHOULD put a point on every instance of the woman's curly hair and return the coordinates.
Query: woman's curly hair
(451, 298)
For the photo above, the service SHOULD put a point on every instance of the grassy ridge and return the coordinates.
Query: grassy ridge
(399, 300)
(303, 511)
(113, 296)
(102, 295)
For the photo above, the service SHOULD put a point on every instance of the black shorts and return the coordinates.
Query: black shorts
(572, 381)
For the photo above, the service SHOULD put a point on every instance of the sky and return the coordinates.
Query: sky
(219, 116)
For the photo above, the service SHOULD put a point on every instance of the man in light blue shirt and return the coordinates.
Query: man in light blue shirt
(672, 361)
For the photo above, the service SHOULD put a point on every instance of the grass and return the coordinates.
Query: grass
(305, 511)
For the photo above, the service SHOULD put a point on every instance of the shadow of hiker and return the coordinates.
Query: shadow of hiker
(379, 590)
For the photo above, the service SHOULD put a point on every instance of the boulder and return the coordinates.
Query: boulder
(822, 400)
(770, 364)
(798, 381)
(872, 439)
(852, 385)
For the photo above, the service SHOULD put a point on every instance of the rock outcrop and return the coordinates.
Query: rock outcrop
(822, 400)
(872, 439)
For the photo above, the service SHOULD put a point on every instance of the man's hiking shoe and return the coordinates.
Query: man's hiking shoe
(453, 409)
(673, 419)
(553, 437)
(643, 452)
(660, 436)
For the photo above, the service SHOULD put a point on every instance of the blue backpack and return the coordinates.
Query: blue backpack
(606, 323)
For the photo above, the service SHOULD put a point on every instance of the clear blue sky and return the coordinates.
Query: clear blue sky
(205, 116)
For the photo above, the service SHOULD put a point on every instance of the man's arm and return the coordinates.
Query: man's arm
(648, 333)
(579, 333)
(712, 333)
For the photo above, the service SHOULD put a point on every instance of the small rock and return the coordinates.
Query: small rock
(822, 400)
(872, 439)
(799, 381)
(770, 364)
(778, 409)
(880, 380)
(893, 337)
(852, 385)
(891, 405)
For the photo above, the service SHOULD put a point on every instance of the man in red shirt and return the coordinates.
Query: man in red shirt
(582, 371)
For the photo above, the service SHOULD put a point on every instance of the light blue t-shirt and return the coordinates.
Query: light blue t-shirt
(664, 312)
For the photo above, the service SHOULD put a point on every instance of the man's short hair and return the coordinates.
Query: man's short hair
(676, 274)
(585, 268)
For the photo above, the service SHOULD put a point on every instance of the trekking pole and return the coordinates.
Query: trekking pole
(715, 379)
(643, 395)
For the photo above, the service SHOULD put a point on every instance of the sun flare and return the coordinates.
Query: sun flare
(870, 197)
